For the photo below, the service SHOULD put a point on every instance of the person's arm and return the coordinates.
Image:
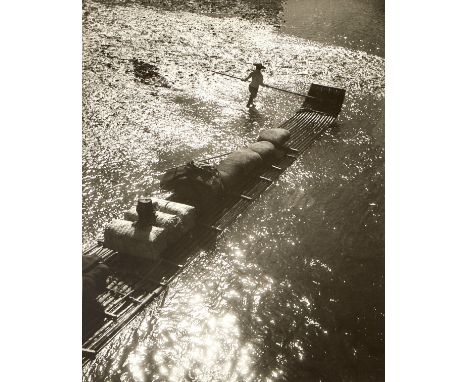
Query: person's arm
(250, 76)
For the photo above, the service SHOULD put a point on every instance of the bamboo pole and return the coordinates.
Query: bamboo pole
(265, 85)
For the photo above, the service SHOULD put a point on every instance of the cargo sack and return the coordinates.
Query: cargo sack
(185, 212)
(194, 183)
(267, 150)
(276, 136)
(238, 165)
(134, 239)
(171, 223)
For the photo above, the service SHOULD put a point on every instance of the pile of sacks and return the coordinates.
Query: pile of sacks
(241, 163)
(94, 283)
(148, 236)
(198, 184)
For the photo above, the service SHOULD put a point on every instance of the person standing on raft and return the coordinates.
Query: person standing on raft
(257, 80)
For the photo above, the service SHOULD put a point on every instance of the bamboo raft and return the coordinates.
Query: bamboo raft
(135, 282)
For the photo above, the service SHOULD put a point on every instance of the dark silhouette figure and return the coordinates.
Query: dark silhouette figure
(257, 80)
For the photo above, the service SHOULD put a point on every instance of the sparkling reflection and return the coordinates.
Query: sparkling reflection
(293, 291)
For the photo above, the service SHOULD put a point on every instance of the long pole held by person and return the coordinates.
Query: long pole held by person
(263, 84)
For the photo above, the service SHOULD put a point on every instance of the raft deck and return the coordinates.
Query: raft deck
(135, 282)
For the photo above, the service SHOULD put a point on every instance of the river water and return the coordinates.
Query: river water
(295, 289)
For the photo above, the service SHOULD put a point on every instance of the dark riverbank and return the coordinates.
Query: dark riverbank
(265, 10)
(356, 24)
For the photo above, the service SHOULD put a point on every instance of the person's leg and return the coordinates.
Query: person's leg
(251, 98)
(249, 102)
(253, 95)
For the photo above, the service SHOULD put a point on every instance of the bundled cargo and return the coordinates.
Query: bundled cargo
(197, 184)
(237, 165)
(267, 151)
(186, 213)
(136, 239)
(276, 136)
(172, 223)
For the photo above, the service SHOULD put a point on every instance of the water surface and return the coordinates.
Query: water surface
(295, 289)
(356, 24)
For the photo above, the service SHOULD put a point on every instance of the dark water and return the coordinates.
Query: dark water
(355, 24)
(295, 289)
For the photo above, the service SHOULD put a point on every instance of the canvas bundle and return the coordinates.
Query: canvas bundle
(194, 183)
(238, 165)
(276, 136)
(267, 151)
(133, 239)
(172, 223)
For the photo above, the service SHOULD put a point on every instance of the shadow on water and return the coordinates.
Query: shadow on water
(252, 121)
